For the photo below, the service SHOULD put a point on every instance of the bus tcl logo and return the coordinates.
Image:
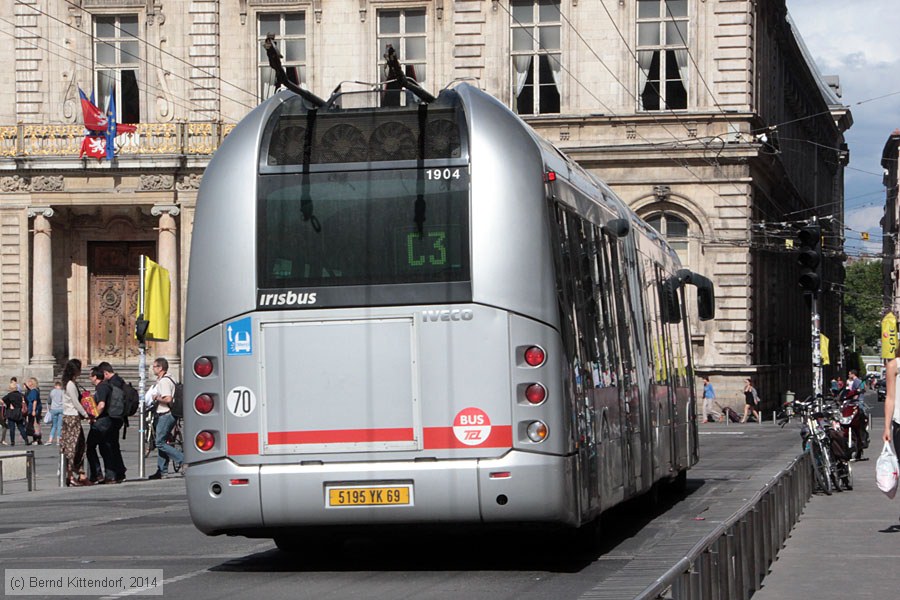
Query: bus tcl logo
(447, 315)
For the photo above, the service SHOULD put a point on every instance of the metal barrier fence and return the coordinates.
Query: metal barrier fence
(731, 562)
(30, 473)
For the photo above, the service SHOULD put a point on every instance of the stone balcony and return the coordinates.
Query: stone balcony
(198, 140)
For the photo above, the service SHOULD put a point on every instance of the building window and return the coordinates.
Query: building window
(675, 230)
(116, 66)
(536, 32)
(289, 30)
(404, 31)
(662, 35)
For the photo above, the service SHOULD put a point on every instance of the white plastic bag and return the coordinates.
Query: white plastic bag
(48, 417)
(886, 471)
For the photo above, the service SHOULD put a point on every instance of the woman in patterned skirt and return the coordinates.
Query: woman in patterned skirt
(71, 443)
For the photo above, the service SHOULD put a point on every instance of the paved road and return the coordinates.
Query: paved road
(844, 546)
(145, 524)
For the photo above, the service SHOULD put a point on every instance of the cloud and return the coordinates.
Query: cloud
(865, 219)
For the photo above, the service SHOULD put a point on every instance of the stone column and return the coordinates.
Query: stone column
(42, 295)
(167, 257)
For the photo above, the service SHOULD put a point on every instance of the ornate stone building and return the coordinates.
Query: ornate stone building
(706, 115)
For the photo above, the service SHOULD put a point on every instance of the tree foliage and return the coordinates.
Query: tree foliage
(863, 303)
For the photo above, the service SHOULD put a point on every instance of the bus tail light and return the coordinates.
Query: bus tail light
(203, 404)
(534, 356)
(203, 366)
(537, 431)
(535, 393)
(205, 441)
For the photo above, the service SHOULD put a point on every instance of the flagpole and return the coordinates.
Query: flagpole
(140, 332)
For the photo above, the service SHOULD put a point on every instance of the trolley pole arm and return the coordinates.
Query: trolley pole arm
(281, 77)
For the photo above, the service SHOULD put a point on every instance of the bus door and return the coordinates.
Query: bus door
(628, 384)
(578, 325)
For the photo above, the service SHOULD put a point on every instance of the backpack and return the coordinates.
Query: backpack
(177, 404)
(116, 408)
(132, 399)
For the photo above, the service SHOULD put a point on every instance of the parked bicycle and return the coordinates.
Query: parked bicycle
(825, 443)
(175, 436)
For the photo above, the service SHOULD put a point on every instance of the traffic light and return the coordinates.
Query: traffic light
(810, 237)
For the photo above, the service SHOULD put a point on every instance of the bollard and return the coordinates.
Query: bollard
(29, 471)
(62, 470)
(1, 477)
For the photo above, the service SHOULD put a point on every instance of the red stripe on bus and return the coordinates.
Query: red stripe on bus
(243, 443)
(437, 438)
(342, 436)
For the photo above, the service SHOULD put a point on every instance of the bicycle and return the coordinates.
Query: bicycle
(175, 437)
(830, 472)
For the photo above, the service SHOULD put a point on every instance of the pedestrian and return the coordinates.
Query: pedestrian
(56, 412)
(72, 443)
(14, 403)
(709, 398)
(115, 465)
(854, 384)
(100, 425)
(165, 421)
(891, 405)
(35, 410)
(751, 401)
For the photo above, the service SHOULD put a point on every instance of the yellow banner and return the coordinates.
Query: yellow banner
(889, 336)
(823, 342)
(156, 300)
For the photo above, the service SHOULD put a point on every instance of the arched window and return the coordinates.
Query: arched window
(675, 230)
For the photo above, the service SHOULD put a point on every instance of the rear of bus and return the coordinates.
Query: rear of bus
(369, 324)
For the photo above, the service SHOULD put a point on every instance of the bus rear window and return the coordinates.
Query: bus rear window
(363, 228)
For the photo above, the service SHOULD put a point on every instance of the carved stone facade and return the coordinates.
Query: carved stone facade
(754, 138)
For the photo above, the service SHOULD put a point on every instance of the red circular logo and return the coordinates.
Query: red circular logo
(472, 426)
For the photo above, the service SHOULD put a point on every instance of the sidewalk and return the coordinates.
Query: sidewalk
(46, 458)
(844, 546)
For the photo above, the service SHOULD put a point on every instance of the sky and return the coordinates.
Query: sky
(857, 40)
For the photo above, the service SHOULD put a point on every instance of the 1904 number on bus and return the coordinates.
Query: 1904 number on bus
(442, 174)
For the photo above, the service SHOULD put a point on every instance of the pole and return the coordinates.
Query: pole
(816, 352)
(142, 373)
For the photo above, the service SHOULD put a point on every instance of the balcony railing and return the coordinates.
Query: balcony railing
(195, 139)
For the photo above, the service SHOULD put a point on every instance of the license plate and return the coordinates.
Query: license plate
(388, 495)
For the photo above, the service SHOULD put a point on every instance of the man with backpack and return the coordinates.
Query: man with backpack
(165, 420)
(114, 395)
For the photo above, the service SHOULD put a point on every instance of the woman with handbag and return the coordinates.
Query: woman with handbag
(72, 444)
(35, 409)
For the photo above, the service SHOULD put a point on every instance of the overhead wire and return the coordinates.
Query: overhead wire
(144, 60)
(71, 53)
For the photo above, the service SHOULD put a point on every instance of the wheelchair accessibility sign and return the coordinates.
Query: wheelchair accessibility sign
(240, 338)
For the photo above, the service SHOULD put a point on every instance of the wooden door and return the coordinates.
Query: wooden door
(113, 299)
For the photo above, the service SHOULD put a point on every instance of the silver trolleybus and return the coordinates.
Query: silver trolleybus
(425, 314)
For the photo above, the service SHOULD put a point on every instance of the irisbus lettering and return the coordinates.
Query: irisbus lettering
(287, 299)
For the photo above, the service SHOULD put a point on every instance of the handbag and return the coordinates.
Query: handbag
(886, 471)
(90, 405)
